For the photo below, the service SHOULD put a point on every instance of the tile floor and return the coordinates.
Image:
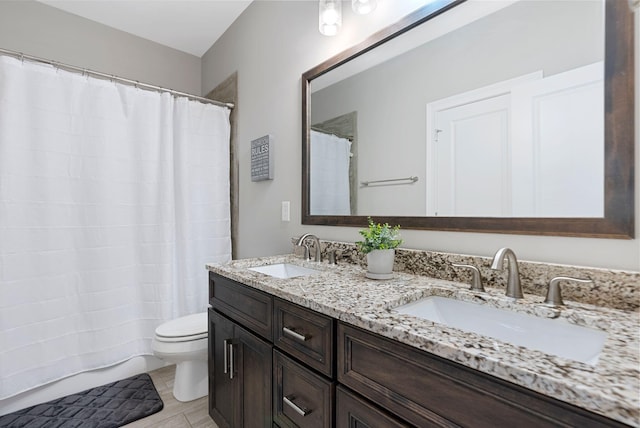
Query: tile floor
(194, 414)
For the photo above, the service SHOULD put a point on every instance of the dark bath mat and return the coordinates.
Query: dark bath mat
(106, 406)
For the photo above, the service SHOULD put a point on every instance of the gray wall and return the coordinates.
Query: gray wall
(36, 29)
(270, 45)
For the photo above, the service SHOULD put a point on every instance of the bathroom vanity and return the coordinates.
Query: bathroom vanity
(329, 349)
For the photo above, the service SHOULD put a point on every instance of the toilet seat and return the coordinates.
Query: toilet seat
(184, 342)
(184, 329)
(181, 338)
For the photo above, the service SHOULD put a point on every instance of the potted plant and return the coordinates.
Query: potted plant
(380, 241)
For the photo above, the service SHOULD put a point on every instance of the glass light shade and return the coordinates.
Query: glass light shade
(363, 7)
(329, 17)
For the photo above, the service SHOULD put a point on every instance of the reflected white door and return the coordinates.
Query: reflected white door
(556, 121)
(509, 154)
(469, 164)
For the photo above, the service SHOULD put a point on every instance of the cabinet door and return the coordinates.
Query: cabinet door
(222, 394)
(252, 362)
(240, 366)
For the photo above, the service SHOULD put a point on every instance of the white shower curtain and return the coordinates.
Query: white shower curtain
(329, 180)
(112, 199)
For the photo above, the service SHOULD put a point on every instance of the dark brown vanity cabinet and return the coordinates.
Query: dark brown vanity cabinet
(274, 363)
(271, 363)
(239, 375)
(240, 354)
(429, 391)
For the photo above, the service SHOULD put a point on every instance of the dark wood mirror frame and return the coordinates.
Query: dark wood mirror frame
(618, 221)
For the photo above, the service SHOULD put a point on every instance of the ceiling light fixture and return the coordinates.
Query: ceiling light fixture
(330, 17)
(362, 7)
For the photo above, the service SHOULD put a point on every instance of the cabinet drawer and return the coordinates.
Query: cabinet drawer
(301, 398)
(249, 307)
(355, 412)
(304, 334)
(427, 390)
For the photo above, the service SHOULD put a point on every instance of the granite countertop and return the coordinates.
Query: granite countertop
(610, 388)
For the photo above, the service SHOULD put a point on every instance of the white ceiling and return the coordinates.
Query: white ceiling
(190, 26)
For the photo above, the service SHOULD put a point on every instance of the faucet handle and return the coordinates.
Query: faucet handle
(332, 257)
(554, 295)
(476, 279)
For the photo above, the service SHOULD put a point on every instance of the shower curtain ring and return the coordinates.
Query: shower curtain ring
(22, 57)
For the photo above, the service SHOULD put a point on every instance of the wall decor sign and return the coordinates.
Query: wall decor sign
(262, 158)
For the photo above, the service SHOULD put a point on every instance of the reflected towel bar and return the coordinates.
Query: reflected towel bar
(409, 180)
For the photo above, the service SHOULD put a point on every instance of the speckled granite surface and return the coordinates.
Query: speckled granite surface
(611, 288)
(610, 388)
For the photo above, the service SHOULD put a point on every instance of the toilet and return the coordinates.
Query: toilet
(183, 342)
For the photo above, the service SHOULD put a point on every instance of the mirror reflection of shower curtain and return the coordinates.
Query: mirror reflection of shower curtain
(329, 181)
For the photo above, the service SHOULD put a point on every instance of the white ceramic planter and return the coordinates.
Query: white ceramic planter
(380, 262)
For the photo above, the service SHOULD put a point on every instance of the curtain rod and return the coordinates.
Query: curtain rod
(112, 77)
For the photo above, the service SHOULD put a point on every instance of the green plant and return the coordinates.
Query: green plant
(379, 237)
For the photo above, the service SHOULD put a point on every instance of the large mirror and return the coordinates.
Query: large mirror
(504, 116)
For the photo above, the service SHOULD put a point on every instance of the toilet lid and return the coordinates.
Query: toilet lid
(190, 325)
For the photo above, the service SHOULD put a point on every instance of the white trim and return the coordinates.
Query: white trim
(483, 93)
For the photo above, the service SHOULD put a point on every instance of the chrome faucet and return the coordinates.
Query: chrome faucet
(316, 244)
(514, 288)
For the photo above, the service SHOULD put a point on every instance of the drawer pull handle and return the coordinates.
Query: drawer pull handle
(226, 357)
(294, 334)
(231, 363)
(299, 410)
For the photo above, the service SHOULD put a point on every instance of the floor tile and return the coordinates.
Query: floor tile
(175, 414)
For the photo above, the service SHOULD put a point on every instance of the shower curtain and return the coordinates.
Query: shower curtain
(112, 199)
(330, 156)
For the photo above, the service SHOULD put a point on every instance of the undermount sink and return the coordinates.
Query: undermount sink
(551, 336)
(284, 270)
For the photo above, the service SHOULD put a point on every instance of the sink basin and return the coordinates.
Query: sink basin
(284, 270)
(551, 336)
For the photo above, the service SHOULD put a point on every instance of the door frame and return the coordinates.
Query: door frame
(433, 108)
